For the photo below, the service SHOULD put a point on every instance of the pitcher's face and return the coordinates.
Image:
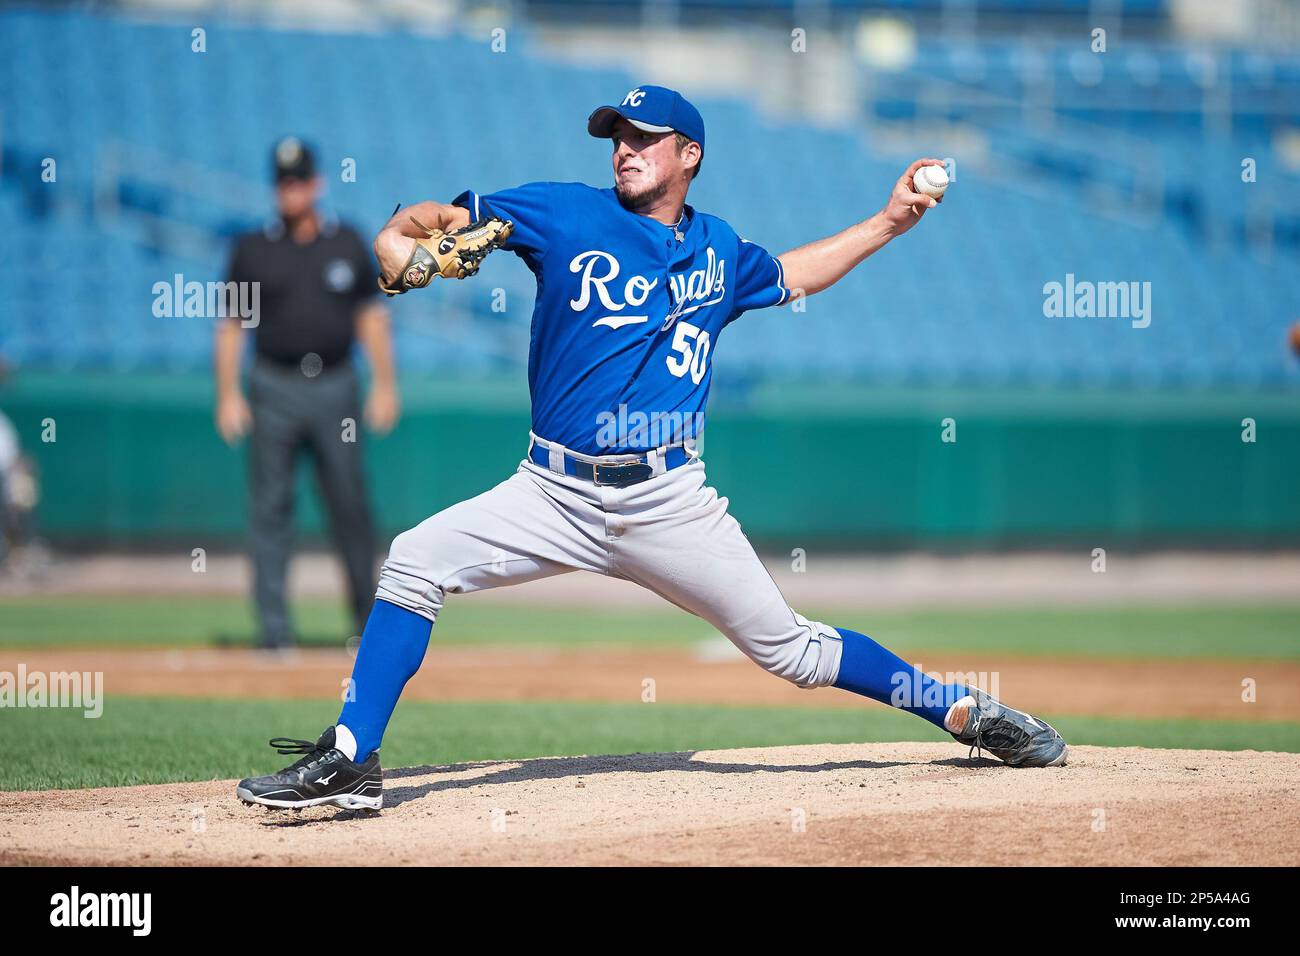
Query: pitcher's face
(646, 165)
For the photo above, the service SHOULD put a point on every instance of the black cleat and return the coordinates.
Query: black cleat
(1012, 736)
(323, 775)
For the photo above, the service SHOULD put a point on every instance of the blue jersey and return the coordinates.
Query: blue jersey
(628, 312)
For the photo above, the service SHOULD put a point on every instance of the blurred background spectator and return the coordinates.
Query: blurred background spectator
(311, 282)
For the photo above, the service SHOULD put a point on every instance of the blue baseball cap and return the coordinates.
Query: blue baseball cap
(654, 109)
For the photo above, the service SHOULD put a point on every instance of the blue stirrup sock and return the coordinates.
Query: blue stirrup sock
(395, 640)
(868, 669)
(392, 647)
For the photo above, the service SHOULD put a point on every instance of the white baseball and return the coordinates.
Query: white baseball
(930, 181)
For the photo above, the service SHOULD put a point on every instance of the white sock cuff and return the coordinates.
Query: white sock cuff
(344, 741)
(957, 726)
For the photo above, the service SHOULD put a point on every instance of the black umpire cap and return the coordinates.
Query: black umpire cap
(293, 159)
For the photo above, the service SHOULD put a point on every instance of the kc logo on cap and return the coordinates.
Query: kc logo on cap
(655, 109)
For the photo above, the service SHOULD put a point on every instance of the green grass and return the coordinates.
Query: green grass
(160, 740)
(1241, 632)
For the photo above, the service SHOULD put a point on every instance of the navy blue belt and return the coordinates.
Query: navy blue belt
(616, 476)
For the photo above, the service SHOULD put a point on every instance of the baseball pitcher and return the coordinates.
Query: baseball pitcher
(634, 288)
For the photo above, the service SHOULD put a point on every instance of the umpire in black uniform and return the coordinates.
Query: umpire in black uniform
(318, 297)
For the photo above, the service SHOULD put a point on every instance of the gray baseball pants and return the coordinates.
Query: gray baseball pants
(670, 533)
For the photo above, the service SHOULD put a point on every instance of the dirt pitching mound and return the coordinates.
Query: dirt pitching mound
(827, 804)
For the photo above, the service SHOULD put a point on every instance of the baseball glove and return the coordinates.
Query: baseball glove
(452, 255)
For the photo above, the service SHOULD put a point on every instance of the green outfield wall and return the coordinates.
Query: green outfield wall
(135, 461)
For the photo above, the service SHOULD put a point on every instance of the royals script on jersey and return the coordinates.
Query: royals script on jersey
(627, 314)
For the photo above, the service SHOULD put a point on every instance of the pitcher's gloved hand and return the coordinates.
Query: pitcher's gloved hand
(452, 255)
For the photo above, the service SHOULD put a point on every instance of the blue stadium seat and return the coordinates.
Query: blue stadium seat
(961, 304)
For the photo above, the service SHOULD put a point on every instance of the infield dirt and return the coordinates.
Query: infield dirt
(712, 672)
(895, 803)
